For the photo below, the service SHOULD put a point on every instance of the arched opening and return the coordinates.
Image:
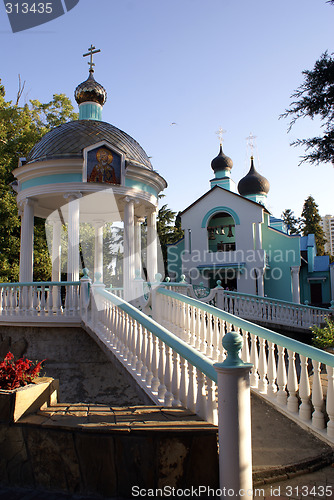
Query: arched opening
(221, 233)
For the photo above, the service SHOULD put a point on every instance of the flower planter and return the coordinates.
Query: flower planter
(19, 402)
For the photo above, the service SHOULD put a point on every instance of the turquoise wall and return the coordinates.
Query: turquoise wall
(283, 251)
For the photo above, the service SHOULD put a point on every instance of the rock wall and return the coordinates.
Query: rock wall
(84, 371)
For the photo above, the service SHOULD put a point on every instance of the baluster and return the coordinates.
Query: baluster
(139, 364)
(245, 355)
(183, 382)
(168, 378)
(197, 330)
(149, 374)
(191, 404)
(203, 332)
(143, 353)
(36, 303)
(221, 349)
(330, 401)
(304, 390)
(155, 382)
(57, 300)
(281, 376)
(192, 326)
(272, 387)
(318, 420)
(127, 334)
(254, 376)
(200, 398)
(292, 386)
(134, 340)
(209, 336)
(161, 371)
(187, 322)
(176, 379)
(211, 410)
(263, 383)
(50, 301)
(215, 339)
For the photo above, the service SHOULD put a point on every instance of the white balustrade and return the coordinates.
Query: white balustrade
(296, 378)
(35, 302)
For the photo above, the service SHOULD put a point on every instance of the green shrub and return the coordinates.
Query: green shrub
(324, 337)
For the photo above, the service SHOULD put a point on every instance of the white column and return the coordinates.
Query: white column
(152, 249)
(260, 284)
(56, 250)
(295, 284)
(98, 252)
(73, 257)
(234, 422)
(258, 238)
(129, 248)
(138, 263)
(27, 241)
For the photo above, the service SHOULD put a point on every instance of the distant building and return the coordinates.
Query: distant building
(327, 224)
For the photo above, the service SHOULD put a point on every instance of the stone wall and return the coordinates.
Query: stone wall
(84, 371)
(106, 462)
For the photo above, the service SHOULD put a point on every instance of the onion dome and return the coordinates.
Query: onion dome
(221, 162)
(90, 91)
(253, 183)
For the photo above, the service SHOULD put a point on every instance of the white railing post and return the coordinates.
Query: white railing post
(234, 421)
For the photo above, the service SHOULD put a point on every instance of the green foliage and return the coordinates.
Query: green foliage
(169, 230)
(315, 99)
(291, 221)
(323, 337)
(20, 128)
(310, 220)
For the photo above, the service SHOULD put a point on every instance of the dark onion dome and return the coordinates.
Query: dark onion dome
(90, 91)
(253, 182)
(221, 162)
(69, 140)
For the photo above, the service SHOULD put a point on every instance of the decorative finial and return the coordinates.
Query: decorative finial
(92, 50)
(220, 133)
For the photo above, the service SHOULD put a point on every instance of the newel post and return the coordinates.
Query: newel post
(85, 284)
(234, 417)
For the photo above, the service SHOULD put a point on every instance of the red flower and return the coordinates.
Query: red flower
(14, 374)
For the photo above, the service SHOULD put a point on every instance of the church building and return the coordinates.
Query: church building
(230, 235)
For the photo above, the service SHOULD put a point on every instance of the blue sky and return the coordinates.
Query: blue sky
(202, 64)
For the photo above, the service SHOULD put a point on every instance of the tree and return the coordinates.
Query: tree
(291, 221)
(169, 230)
(315, 98)
(310, 220)
(20, 128)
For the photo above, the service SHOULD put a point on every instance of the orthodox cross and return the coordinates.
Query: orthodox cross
(250, 142)
(220, 133)
(92, 50)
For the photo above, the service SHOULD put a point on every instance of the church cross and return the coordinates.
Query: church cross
(92, 50)
(250, 142)
(220, 133)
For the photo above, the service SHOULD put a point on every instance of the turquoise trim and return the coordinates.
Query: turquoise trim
(276, 338)
(40, 283)
(90, 111)
(217, 210)
(51, 179)
(141, 186)
(197, 359)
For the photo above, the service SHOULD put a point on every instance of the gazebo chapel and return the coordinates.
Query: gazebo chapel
(89, 171)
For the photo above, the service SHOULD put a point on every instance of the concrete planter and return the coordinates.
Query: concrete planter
(28, 399)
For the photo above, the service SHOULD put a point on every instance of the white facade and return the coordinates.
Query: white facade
(245, 259)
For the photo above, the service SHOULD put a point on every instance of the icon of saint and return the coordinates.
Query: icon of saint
(103, 170)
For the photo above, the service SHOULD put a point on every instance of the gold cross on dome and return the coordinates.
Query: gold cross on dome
(92, 50)
(220, 133)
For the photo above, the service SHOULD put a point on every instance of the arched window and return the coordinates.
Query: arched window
(221, 233)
